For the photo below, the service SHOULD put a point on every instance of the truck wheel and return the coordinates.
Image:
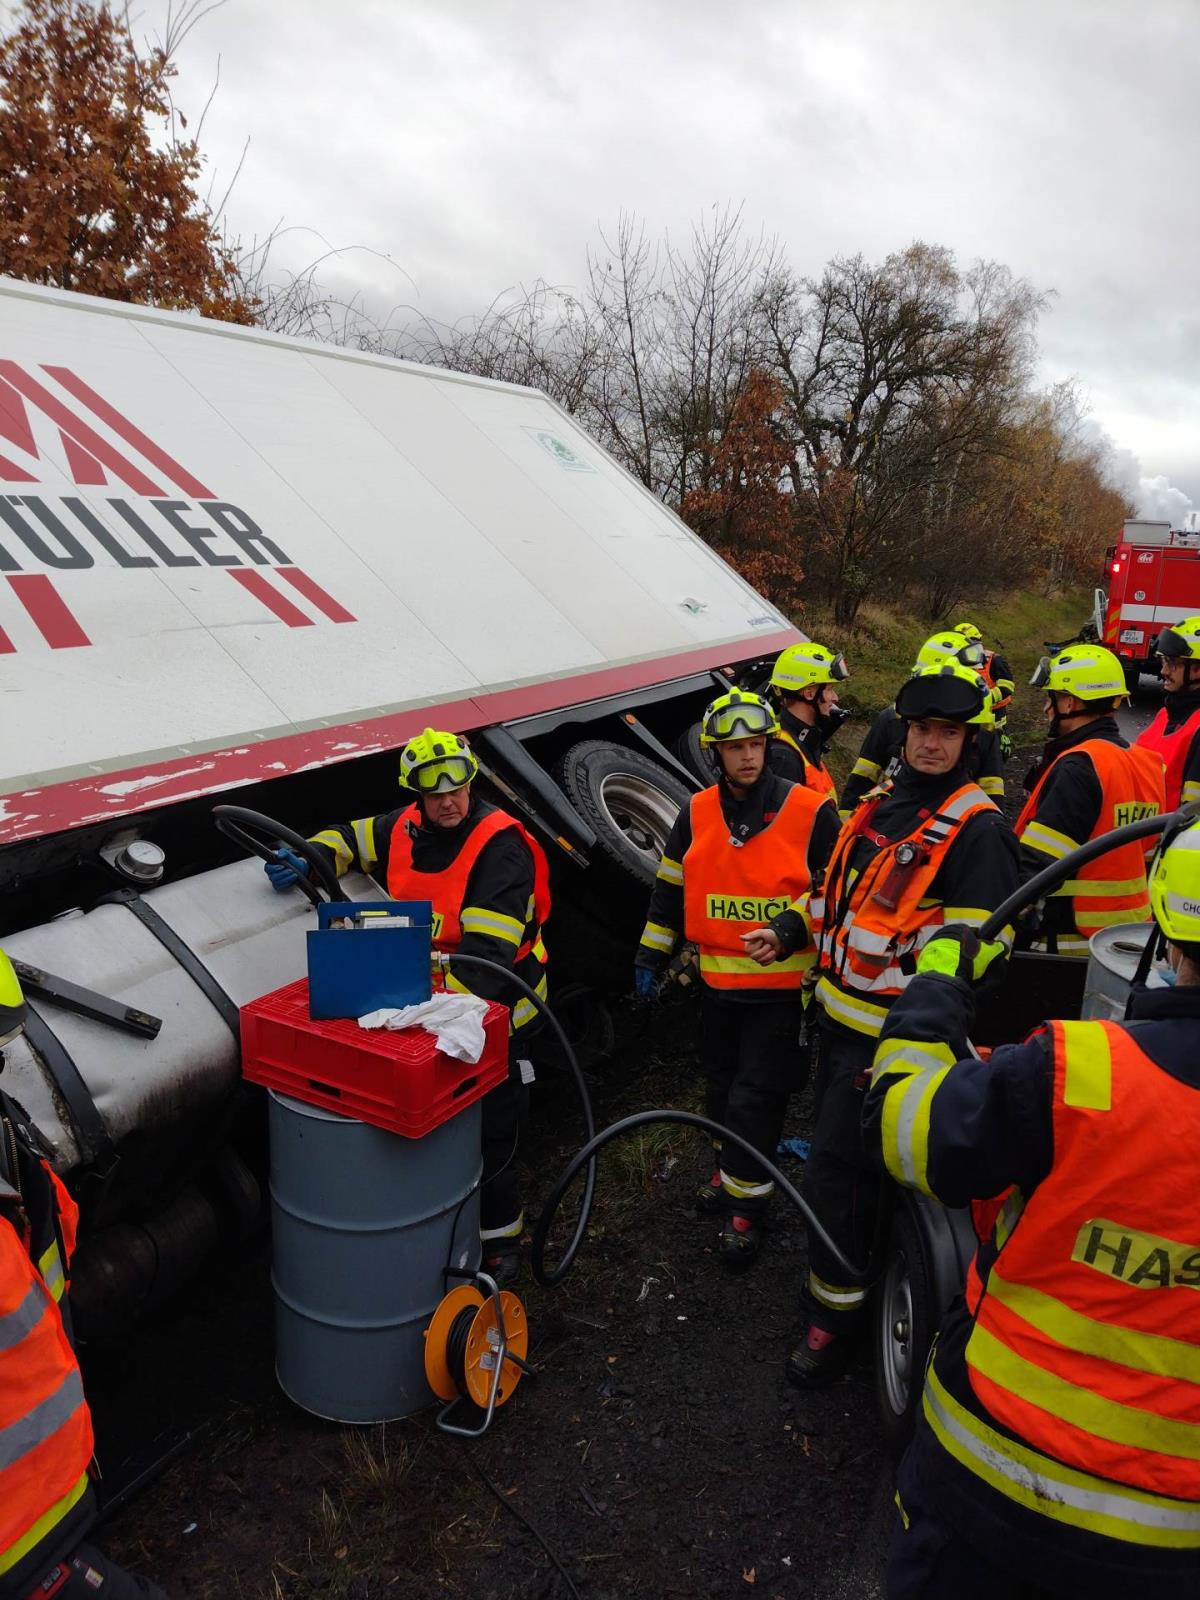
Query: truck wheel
(1133, 675)
(628, 800)
(691, 753)
(903, 1322)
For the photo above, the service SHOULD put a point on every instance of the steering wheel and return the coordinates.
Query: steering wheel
(260, 835)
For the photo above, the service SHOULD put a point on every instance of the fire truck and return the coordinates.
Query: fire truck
(1153, 580)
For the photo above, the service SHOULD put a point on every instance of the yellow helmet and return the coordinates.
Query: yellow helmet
(949, 645)
(1181, 641)
(737, 715)
(1088, 671)
(12, 1002)
(1175, 885)
(968, 631)
(802, 665)
(435, 763)
(949, 693)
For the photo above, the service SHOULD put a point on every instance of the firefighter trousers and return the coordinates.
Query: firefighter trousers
(504, 1112)
(841, 1183)
(753, 1063)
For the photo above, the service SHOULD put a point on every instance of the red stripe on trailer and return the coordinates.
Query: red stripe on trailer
(7, 647)
(314, 594)
(76, 802)
(48, 611)
(132, 435)
(254, 583)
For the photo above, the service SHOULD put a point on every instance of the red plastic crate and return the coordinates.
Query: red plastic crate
(400, 1081)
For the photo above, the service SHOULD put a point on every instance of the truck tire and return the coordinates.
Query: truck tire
(903, 1322)
(1133, 675)
(628, 800)
(691, 753)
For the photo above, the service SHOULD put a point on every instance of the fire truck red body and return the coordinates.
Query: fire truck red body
(1153, 580)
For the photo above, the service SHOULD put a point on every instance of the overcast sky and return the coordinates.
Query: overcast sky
(480, 143)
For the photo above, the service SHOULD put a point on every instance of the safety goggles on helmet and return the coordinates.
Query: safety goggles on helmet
(1089, 672)
(948, 693)
(1179, 642)
(439, 777)
(801, 666)
(737, 715)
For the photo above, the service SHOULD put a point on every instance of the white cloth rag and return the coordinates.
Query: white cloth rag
(455, 1020)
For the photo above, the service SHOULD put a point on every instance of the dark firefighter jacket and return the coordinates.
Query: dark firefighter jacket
(501, 881)
(790, 763)
(986, 1126)
(879, 758)
(745, 819)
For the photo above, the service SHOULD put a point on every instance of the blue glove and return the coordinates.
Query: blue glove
(286, 870)
(645, 981)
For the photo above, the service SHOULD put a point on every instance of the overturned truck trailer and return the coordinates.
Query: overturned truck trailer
(241, 566)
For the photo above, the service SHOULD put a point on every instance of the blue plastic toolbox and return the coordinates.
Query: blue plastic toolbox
(366, 954)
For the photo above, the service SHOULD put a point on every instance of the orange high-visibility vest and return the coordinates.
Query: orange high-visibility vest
(866, 952)
(1172, 748)
(988, 673)
(447, 890)
(815, 777)
(45, 1426)
(1086, 1342)
(1112, 888)
(730, 889)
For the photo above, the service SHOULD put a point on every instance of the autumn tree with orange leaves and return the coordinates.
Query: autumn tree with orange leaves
(97, 193)
(747, 511)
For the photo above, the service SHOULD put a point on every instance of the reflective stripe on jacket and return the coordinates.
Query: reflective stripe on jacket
(1112, 888)
(866, 952)
(447, 890)
(45, 1427)
(1087, 1336)
(1173, 748)
(731, 888)
(815, 777)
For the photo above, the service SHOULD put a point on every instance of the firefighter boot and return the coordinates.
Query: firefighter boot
(741, 1240)
(820, 1358)
(709, 1199)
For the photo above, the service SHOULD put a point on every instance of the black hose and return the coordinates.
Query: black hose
(585, 1100)
(1059, 871)
(688, 1119)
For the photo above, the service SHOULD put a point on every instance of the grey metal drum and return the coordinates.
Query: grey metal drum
(365, 1223)
(1113, 959)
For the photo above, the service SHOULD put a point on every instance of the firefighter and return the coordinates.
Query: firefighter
(1175, 731)
(997, 674)
(1087, 782)
(879, 757)
(1057, 1452)
(47, 1503)
(488, 882)
(930, 849)
(803, 688)
(737, 853)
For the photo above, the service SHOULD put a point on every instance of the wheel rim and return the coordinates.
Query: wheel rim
(642, 814)
(896, 1334)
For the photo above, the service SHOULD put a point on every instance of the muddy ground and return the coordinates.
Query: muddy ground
(659, 1452)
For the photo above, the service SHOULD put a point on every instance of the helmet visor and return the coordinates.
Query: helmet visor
(970, 654)
(1041, 673)
(739, 721)
(1171, 645)
(439, 777)
(838, 670)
